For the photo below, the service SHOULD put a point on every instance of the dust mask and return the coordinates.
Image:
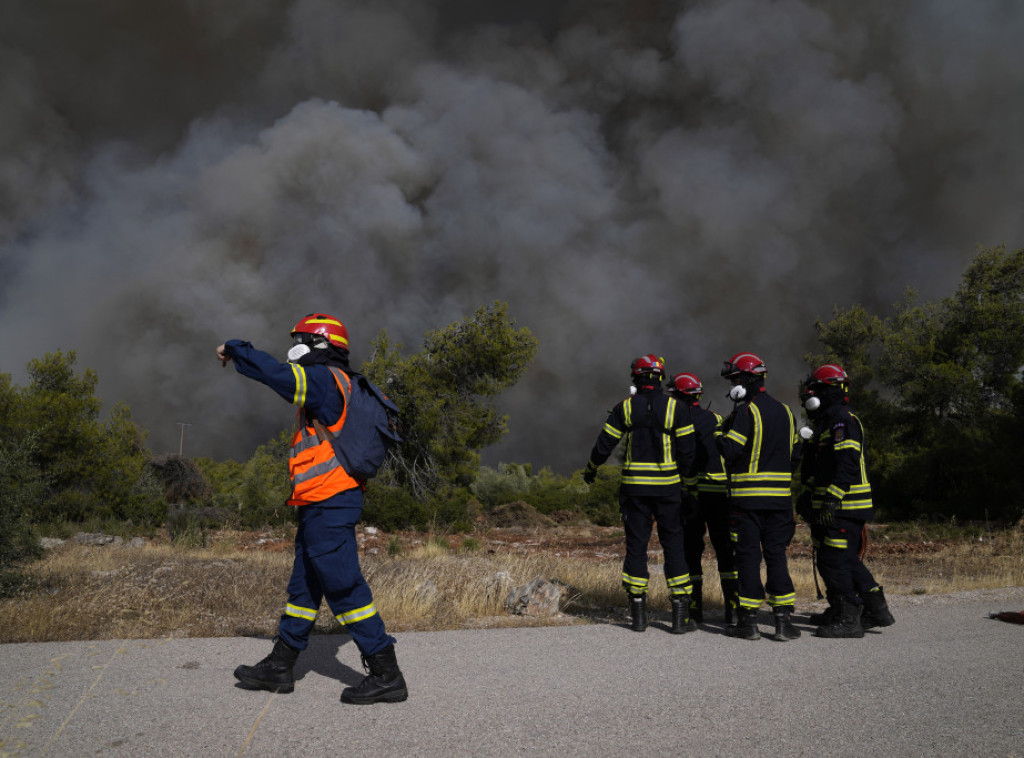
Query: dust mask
(297, 351)
(737, 393)
(812, 403)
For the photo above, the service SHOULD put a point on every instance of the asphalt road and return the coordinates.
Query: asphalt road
(945, 680)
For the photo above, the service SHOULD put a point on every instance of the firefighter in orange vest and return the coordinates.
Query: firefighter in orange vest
(329, 503)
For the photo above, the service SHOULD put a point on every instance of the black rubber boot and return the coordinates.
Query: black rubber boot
(825, 617)
(681, 621)
(876, 610)
(273, 673)
(730, 597)
(384, 683)
(784, 629)
(746, 625)
(638, 611)
(846, 623)
(697, 602)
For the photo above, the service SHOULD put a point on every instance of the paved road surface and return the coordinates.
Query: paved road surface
(944, 681)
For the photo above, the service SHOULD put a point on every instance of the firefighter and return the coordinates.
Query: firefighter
(757, 444)
(712, 512)
(834, 468)
(329, 502)
(660, 449)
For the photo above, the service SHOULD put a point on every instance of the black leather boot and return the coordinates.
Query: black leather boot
(876, 610)
(730, 597)
(746, 625)
(845, 624)
(384, 683)
(697, 601)
(784, 629)
(825, 617)
(638, 611)
(273, 673)
(681, 622)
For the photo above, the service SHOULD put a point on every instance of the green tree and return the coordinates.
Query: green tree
(88, 468)
(938, 386)
(446, 395)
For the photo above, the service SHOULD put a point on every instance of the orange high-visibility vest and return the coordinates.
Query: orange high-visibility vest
(315, 470)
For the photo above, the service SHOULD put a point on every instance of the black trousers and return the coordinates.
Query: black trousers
(767, 534)
(837, 555)
(712, 519)
(639, 512)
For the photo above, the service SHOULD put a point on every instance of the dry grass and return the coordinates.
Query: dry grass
(236, 587)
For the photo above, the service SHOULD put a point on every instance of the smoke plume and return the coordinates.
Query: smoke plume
(693, 179)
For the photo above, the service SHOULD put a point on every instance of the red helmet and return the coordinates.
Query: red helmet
(830, 373)
(648, 364)
(326, 326)
(687, 384)
(744, 363)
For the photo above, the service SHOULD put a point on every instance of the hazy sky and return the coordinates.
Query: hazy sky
(693, 179)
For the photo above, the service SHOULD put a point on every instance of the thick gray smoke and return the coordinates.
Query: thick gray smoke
(693, 179)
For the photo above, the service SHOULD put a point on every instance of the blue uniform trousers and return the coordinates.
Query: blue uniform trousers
(327, 567)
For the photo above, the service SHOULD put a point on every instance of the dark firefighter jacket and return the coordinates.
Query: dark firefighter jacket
(660, 443)
(710, 470)
(834, 463)
(757, 443)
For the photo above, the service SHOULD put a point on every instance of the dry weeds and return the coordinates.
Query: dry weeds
(236, 586)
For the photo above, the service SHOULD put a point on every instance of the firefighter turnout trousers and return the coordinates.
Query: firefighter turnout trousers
(713, 517)
(327, 567)
(638, 513)
(769, 532)
(837, 554)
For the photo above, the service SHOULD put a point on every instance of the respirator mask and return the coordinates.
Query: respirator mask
(737, 393)
(304, 345)
(812, 403)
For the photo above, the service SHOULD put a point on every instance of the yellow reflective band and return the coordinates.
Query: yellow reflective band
(782, 599)
(684, 430)
(734, 536)
(677, 580)
(728, 574)
(300, 384)
(750, 603)
(359, 614)
(609, 429)
(736, 437)
(633, 581)
(301, 613)
(755, 447)
(836, 543)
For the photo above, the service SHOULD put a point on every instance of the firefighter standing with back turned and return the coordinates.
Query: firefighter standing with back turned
(660, 450)
(834, 467)
(712, 512)
(757, 442)
(329, 502)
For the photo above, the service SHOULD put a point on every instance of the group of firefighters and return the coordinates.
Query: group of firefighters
(692, 473)
(685, 468)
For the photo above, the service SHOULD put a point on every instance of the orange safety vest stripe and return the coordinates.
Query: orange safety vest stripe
(315, 470)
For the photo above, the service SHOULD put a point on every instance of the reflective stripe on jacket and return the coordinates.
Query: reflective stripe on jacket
(757, 446)
(315, 470)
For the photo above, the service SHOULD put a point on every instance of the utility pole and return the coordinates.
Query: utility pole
(181, 442)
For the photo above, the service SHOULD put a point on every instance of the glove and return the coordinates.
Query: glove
(690, 506)
(590, 473)
(803, 505)
(827, 511)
